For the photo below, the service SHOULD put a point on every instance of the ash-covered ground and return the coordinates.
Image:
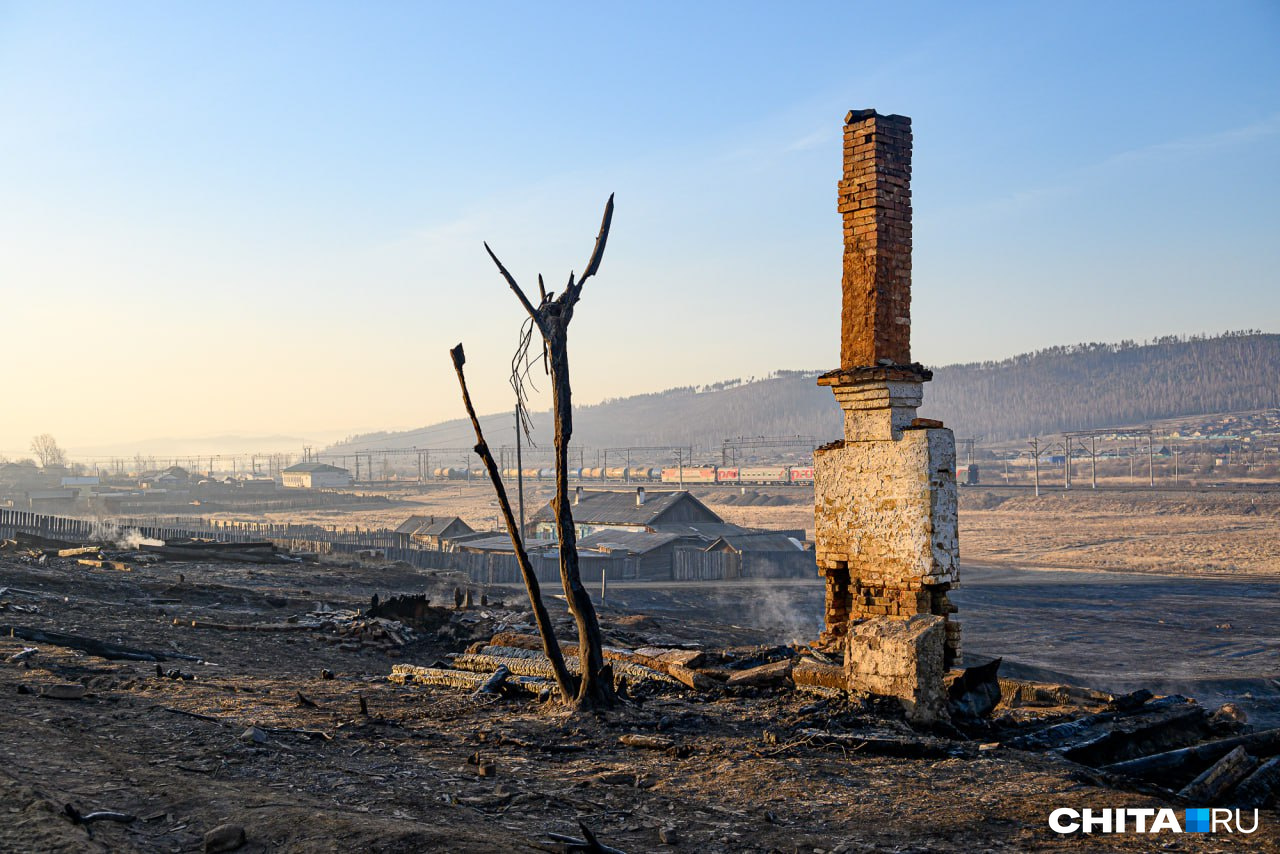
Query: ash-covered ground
(288, 729)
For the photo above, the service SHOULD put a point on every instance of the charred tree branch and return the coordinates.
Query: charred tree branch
(564, 680)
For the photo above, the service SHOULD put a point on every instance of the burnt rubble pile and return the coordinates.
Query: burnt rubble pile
(1169, 746)
(103, 555)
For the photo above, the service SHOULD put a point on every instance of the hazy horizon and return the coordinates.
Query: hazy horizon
(267, 222)
(177, 447)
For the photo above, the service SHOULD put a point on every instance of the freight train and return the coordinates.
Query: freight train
(688, 475)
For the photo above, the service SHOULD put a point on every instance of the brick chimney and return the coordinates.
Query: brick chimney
(885, 495)
(875, 204)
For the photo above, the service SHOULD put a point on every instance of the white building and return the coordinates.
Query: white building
(316, 476)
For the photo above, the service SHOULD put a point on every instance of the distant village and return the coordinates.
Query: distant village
(622, 535)
(638, 534)
(62, 488)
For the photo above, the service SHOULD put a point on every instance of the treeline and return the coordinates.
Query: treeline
(1079, 387)
(1088, 386)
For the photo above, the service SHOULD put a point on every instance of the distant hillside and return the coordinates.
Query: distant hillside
(1060, 388)
(1101, 385)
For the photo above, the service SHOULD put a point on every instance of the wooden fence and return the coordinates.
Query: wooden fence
(695, 565)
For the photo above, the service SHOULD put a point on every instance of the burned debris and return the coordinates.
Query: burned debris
(113, 555)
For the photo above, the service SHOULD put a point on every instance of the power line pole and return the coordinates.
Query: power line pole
(1066, 463)
(1093, 460)
(519, 472)
(1035, 458)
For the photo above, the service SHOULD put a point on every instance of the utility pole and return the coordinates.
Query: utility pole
(1093, 460)
(1066, 463)
(1035, 458)
(1151, 457)
(519, 472)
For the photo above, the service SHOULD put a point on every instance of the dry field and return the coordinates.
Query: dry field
(1220, 533)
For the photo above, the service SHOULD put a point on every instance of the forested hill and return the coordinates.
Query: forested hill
(1061, 388)
(1101, 385)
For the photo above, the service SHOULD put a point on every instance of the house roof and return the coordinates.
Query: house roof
(429, 526)
(457, 539)
(412, 524)
(705, 531)
(635, 542)
(763, 542)
(620, 508)
(502, 543)
(315, 467)
(437, 525)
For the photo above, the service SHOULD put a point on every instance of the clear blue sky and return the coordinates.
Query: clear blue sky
(279, 207)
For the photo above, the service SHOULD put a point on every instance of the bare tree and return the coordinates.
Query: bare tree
(551, 318)
(46, 449)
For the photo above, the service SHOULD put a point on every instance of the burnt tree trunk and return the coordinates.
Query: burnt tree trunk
(551, 317)
(596, 687)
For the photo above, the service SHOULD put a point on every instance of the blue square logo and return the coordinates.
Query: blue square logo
(1198, 821)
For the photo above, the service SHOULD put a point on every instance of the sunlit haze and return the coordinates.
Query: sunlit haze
(265, 221)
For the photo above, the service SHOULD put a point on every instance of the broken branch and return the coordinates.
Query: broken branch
(542, 619)
(524, 300)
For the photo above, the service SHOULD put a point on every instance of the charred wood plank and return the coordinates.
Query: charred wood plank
(412, 674)
(1174, 762)
(1259, 787)
(92, 646)
(676, 668)
(1219, 777)
(531, 663)
(1141, 737)
(494, 683)
(1063, 734)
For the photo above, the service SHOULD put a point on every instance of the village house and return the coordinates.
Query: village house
(430, 532)
(315, 476)
(168, 478)
(637, 511)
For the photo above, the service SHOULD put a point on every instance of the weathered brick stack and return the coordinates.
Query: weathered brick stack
(885, 507)
(875, 202)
